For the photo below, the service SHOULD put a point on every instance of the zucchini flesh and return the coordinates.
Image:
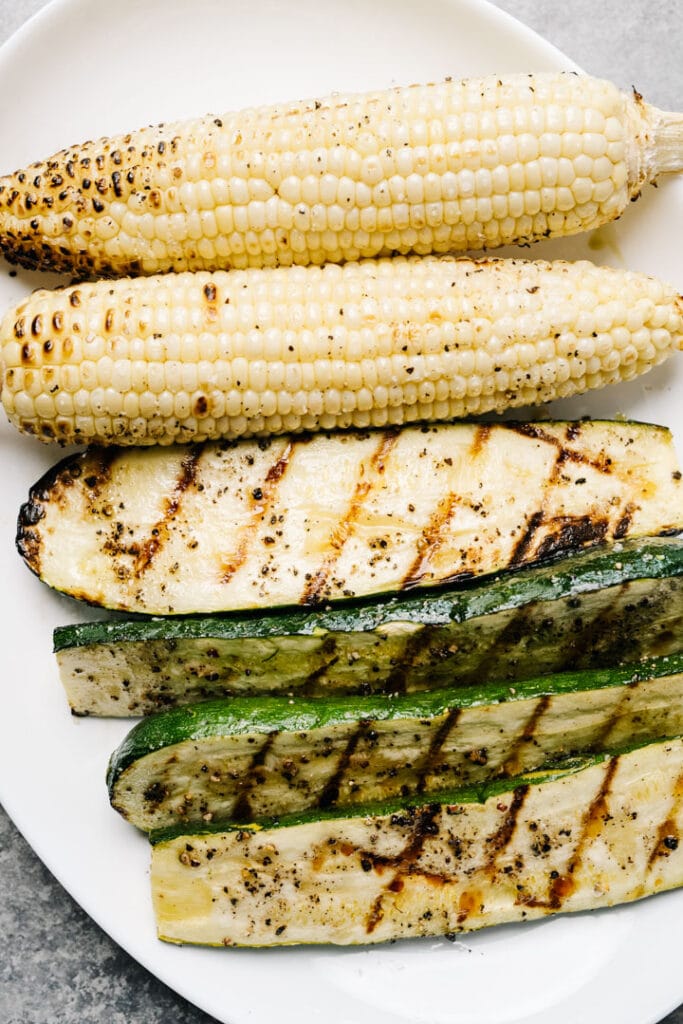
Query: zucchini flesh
(595, 608)
(576, 840)
(254, 758)
(217, 527)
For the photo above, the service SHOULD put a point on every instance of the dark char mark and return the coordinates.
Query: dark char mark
(415, 645)
(501, 645)
(52, 488)
(314, 591)
(602, 463)
(424, 826)
(438, 739)
(150, 548)
(431, 541)
(241, 810)
(511, 766)
(591, 824)
(585, 639)
(571, 533)
(500, 839)
(330, 793)
(524, 542)
(562, 886)
(668, 836)
(310, 685)
(265, 497)
(622, 527)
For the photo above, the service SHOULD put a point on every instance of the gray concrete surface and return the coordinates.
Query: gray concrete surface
(56, 965)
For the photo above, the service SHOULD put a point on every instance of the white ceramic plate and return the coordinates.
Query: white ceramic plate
(85, 71)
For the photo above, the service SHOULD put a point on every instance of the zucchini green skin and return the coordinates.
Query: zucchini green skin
(605, 831)
(245, 759)
(599, 607)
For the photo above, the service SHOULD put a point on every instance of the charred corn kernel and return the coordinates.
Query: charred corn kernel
(435, 168)
(197, 355)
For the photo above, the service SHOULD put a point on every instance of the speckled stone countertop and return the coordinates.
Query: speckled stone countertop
(56, 964)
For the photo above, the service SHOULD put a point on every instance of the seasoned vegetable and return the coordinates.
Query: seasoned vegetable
(604, 606)
(219, 527)
(432, 168)
(244, 760)
(191, 357)
(508, 851)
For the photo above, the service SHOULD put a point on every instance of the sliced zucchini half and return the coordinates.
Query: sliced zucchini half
(603, 606)
(512, 850)
(245, 759)
(253, 524)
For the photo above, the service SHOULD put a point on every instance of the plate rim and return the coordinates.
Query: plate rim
(41, 21)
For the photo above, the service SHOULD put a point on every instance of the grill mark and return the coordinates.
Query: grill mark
(151, 547)
(103, 459)
(557, 466)
(330, 793)
(601, 462)
(242, 807)
(277, 470)
(309, 685)
(271, 480)
(499, 840)
(423, 827)
(570, 534)
(437, 741)
(611, 720)
(507, 639)
(523, 544)
(511, 765)
(314, 588)
(564, 885)
(415, 645)
(537, 518)
(481, 437)
(584, 641)
(621, 529)
(430, 542)
(668, 828)
(434, 535)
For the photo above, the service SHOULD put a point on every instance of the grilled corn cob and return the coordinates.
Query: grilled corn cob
(435, 168)
(200, 356)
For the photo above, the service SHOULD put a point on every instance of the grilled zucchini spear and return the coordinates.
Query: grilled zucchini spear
(460, 860)
(218, 527)
(190, 357)
(434, 168)
(247, 759)
(600, 607)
